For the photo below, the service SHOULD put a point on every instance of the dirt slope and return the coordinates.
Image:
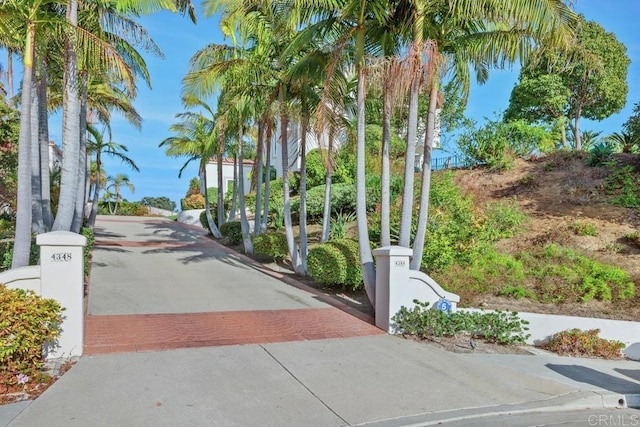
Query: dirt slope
(555, 192)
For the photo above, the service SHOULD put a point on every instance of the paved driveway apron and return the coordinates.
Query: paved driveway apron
(157, 284)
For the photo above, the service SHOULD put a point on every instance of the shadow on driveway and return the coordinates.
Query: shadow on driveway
(591, 376)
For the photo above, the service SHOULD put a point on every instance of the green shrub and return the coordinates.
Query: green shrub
(564, 275)
(518, 292)
(327, 265)
(624, 185)
(204, 222)
(232, 230)
(27, 321)
(503, 219)
(582, 228)
(496, 326)
(599, 154)
(88, 249)
(489, 272)
(194, 201)
(579, 343)
(633, 238)
(271, 244)
(340, 223)
(6, 254)
(336, 263)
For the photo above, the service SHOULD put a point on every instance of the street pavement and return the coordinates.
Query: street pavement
(221, 341)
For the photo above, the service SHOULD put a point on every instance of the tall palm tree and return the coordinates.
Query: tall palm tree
(116, 183)
(481, 34)
(195, 140)
(98, 146)
(25, 16)
(345, 25)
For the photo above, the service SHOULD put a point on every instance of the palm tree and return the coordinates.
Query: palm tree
(482, 34)
(195, 140)
(346, 26)
(99, 147)
(100, 28)
(624, 141)
(116, 183)
(25, 16)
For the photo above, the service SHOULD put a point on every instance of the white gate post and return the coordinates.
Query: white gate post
(392, 271)
(62, 279)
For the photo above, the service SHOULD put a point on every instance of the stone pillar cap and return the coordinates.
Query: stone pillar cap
(393, 251)
(61, 238)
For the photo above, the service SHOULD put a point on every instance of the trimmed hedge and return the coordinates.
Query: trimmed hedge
(232, 230)
(271, 244)
(336, 263)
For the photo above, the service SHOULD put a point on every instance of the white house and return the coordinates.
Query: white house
(295, 139)
(227, 174)
(55, 156)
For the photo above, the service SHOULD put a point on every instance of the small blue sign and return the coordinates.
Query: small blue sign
(444, 305)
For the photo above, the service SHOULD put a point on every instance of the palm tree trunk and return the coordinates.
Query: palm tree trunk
(409, 162)
(267, 184)
(257, 229)
(284, 142)
(303, 196)
(37, 222)
(70, 130)
(366, 257)
(207, 208)
(423, 213)
(220, 177)
(328, 164)
(232, 214)
(43, 138)
(96, 193)
(22, 242)
(10, 73)
(385, 193)
(244, 223)
(81, 194)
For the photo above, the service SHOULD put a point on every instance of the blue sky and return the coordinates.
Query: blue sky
(179, 39)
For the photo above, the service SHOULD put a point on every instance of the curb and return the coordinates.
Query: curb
(573, 401)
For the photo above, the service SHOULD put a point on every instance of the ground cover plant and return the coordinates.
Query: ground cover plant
(578, 343)
(424, 321)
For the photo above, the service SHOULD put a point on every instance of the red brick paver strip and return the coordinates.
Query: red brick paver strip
(151, 332)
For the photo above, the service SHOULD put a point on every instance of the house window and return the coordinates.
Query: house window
(229, 185)
(274, 149)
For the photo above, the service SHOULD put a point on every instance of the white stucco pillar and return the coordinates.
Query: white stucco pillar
(62, 279)
(392, 270)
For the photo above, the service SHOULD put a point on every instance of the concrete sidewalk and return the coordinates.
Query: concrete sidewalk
(303, 380)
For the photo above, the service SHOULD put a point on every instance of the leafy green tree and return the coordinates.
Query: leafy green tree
(540, 99)
(159, 202)
(632, 126)
(589, 80)
(9, 128)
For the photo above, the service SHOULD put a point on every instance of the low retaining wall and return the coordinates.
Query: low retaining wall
(191, 217)
(542, 326)
(397, 286)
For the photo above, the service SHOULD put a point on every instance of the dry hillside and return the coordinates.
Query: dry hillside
(557, 192)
